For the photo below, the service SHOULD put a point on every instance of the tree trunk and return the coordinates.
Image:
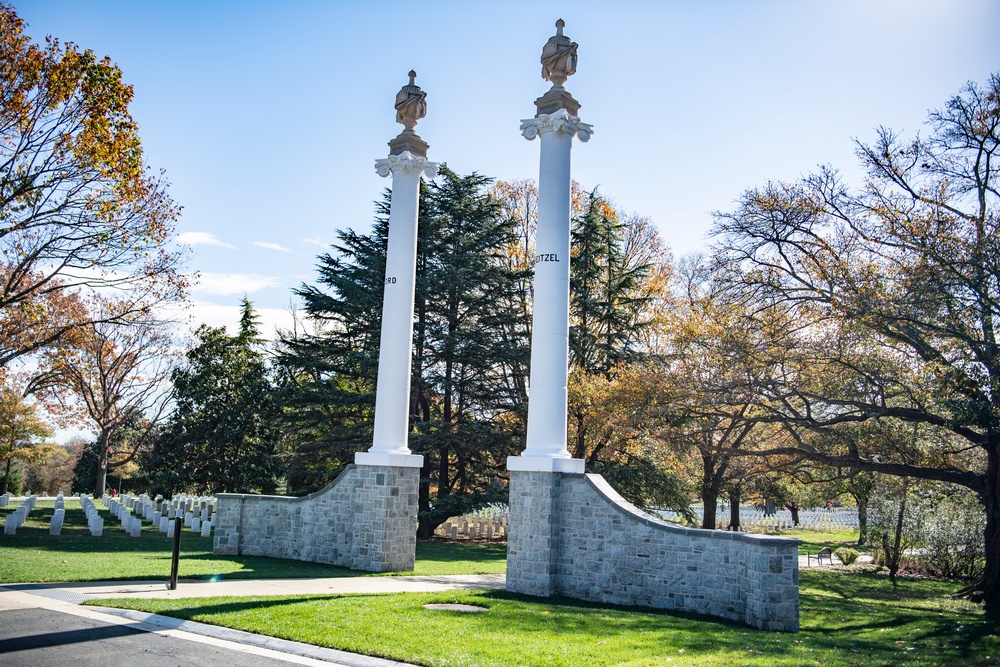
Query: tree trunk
(6, 476)
(863, 521)
(709, 494)
(794, 509)
(424, 528)
(896, 557)
(734, 508)
(991, 502)
(580, 448)
(102, 463)
(860, 488)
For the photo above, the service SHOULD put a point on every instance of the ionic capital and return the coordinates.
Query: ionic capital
(560, 121)
(407, 162)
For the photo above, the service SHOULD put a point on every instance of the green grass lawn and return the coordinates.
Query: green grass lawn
(814, 540)
(847, 619)
(32, 555)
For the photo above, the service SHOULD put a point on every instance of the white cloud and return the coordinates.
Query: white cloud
(203, 238)
(229, 284)
(214, 315)
(270, 246)
(316, 241)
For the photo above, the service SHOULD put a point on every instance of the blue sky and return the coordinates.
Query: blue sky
(268, 117)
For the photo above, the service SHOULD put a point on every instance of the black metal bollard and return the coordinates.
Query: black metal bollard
(176, 556)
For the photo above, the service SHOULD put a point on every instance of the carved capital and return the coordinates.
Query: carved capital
(406, 161)
(560, 121)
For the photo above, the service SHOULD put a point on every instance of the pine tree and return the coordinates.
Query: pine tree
(222, 435)
(470, 342)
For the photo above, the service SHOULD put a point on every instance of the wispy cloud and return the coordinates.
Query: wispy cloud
(270, 246)
(203, 238)
(316, 241)
(229, 284)
(217, 315)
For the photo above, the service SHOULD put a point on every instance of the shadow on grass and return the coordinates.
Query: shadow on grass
(873, 586)
(520, 629)
(193, 613)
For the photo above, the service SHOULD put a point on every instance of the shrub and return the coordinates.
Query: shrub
(846, 555)
(951, 536)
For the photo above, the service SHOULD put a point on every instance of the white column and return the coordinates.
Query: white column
(547, 394)
(392, 398)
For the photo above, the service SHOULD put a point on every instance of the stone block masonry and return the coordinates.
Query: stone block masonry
(366, 519)
(573, 535)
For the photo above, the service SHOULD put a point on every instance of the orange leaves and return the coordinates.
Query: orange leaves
(79, 209)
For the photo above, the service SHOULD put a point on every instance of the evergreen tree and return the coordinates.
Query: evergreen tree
(327, 385)
(466, 407)
(467, 344)
(608, 288)
(223, 435)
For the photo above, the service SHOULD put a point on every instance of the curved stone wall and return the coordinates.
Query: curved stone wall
(366, 519)
(573, 535)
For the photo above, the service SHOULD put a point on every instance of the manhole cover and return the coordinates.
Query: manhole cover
(467, 608)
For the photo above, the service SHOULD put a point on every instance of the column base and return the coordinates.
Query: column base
(544, 464)
(394, 460)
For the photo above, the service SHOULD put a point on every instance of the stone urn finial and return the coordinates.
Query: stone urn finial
(411, 106)
(411, 103)
(559, 57)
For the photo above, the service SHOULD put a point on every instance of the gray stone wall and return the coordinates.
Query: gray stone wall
(365, 520)
(603, 549)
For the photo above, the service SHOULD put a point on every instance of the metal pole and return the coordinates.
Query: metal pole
(176, 556)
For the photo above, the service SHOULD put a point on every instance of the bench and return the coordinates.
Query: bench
(825, 552)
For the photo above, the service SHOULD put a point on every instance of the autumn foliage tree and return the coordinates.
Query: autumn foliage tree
(22, 432)
(79, 208)
(118, 371)
(895, 287)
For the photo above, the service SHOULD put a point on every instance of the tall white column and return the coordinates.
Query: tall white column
(545, 448)
(392, 398)
(557, 124)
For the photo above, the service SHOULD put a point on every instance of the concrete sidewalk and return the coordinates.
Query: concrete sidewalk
(192, 588)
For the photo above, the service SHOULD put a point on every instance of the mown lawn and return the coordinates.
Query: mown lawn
(814, 540)
(847, 619)
(32, 555)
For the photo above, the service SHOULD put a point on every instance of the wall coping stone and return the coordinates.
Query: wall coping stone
(615, 499)
(292, 499)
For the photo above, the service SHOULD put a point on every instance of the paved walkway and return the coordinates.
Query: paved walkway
(192, 588)
(197, 643)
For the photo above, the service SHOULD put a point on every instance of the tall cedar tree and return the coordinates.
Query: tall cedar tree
(606, 304)
(466, 410)
(223, 434)
(327, 385)
(466, 346)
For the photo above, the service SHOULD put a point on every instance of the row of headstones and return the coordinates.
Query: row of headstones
(4, 500)
(56, 524)
(94, 519)
(17, 517)
(198, 513)
(475, 527)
